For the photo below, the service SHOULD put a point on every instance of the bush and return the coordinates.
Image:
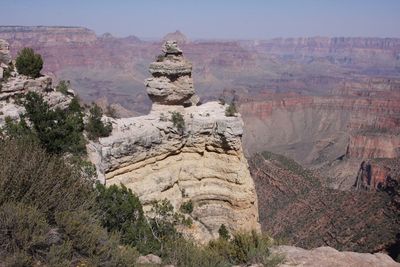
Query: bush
(121, 210)
(187, 207)
(178, 121)
(63, 86)
(59, 131)
(185, 253)
(231, 111)
(95, 126)
(223, 232)
(111, 112)
(23, 227)
(28, 63)
(95, 245)
(31, 176)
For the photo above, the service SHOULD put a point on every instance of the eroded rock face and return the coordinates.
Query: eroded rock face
(302, 211)
(327, 256)
(16, 86)
(172, 82)
(4, 52)
(203, 163)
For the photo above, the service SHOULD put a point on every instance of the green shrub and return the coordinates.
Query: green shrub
(95, 126)
(92, 241)
(23, 227)
(19, 258)
(187, 207)
(60, 255)
(31, 176)
(63, 86)
(121, 210)
(111, 112)
(246, 248)
(29, 63)
(59, 131)
(185, 253)
(231, 111)
(223, 232)
(178, 121)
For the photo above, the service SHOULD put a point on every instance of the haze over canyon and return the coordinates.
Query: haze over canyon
(313, 158)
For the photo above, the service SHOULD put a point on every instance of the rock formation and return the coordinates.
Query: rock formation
(329, 257)
(16, 86)
(5, 57)
(182, 154)
(172, 82)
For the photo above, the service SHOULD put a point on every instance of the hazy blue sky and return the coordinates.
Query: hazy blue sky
(212, 18)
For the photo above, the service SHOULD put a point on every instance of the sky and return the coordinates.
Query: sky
(212, 19)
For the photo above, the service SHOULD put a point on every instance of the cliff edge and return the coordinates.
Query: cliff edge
(182, 152)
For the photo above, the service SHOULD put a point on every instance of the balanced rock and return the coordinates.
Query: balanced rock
(171, 82)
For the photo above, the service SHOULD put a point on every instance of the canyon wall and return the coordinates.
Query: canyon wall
(302, 211)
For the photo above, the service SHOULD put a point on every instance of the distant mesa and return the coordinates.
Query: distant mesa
(178, 36)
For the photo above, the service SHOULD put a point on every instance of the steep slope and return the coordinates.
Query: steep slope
(294, 206)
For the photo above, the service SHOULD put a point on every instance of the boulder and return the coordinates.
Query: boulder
(149, 259)
(330, 257)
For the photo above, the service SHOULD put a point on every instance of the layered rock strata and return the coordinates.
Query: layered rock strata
(172, 82)
(197, 157)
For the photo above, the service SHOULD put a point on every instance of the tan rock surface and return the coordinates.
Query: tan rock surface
(172, 82)
(330, 257)
(204, 163)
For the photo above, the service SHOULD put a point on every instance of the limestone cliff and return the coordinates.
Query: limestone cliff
(199, 158)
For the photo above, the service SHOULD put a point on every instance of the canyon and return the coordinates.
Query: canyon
(330, 104)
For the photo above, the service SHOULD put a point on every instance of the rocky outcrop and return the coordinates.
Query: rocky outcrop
(182, 154)
(330, 257)
(16, 86)
(5, 57)
(172, 82)
(378, 174)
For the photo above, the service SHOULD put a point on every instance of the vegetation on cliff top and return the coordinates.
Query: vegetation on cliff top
(52, 212)
(29, 63)
(53, 215)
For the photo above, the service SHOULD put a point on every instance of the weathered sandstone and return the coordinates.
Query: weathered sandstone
(4, 52)
(204, 164)
(172, 82)
(330, 257)
(202, 161)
